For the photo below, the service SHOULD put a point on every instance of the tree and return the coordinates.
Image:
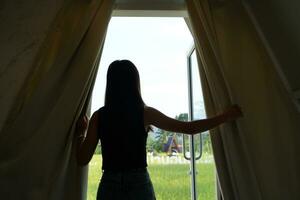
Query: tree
(160, 138)
(182, 117)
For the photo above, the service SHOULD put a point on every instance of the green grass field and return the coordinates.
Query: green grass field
(170, 181)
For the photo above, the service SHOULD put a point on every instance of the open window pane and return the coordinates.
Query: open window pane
(205, 166)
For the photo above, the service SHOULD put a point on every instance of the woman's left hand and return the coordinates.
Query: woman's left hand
(82, 124)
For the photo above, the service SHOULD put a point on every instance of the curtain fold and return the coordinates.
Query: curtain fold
(37, 152)
(237, 69)
(229, 152)
(236, 177)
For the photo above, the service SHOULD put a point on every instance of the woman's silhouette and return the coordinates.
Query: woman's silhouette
(122, 125)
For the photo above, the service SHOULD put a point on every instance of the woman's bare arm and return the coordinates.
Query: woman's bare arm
(158, 119)
(86, 145)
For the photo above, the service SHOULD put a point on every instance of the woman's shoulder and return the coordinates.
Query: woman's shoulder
(149, 109)
(149, 112)
(101, 109)
(98, 112)
(146, 110)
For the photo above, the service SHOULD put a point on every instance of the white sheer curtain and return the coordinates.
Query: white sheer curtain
(36, 148)
(256, 158)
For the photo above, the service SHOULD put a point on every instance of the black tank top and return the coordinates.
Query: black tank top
(123, 140)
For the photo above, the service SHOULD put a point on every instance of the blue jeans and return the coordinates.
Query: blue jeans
(126, 185)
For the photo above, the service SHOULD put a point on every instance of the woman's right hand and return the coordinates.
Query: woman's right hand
(233, 113)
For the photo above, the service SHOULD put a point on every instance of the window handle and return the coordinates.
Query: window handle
(185, 155)
(200, 147)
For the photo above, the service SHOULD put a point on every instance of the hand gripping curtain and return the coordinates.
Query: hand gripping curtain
(237, 69)
(37, 158)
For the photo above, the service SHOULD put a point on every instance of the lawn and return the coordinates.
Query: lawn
(171, 181)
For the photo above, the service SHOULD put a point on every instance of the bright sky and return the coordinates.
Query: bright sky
(158, 47)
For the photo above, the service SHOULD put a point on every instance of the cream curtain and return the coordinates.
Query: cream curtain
(256, 158)
(36, 157)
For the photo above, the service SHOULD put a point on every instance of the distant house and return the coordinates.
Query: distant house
(172, 145)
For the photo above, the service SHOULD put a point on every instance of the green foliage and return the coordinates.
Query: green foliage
(98, 149)
(206, 143)
(182, 117)
(153, 146)
(173, 182)
(160, 139)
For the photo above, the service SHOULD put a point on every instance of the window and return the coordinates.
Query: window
(158, 47)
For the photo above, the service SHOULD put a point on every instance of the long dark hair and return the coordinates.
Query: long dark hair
(123, 90)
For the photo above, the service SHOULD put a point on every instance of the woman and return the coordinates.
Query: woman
(122, 125)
